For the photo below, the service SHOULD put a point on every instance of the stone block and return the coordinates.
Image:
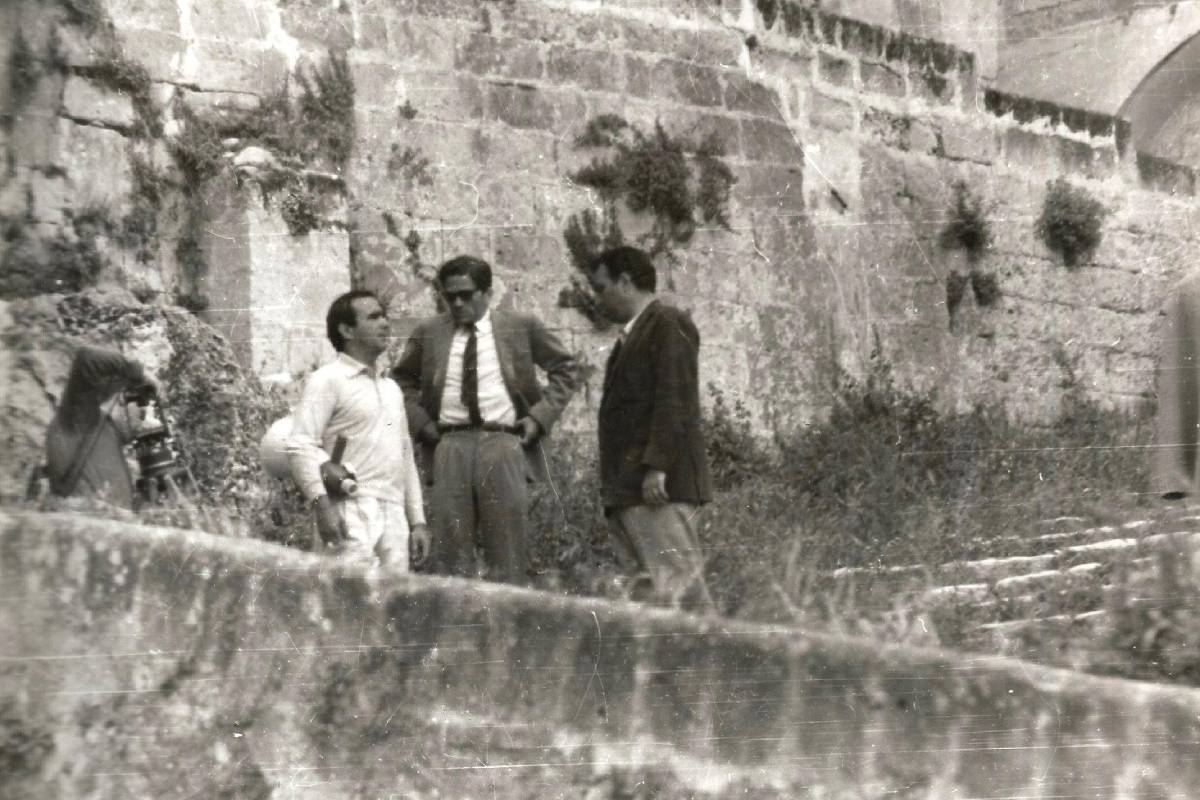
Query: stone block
(329, 25)
(372, 30)
(228, 20)
(424, 44)
(1083, 159)
(48, 197)
(696, 84)
(443, 96)
(505, 58)
(831, 112)
(149, 15)
(882, 79)
(899, 131)
(775, 188)
(224, 67)
(836, 70)
(95, 162)
(33, 136)
(934, 87)
(649, 79)
(963, 141)
(1023, 148)
(76, 48)
(700, 125)
(770, 141)
(376, 85)
(88, 102)
(751, 97)
(591, 69)
(159, 52)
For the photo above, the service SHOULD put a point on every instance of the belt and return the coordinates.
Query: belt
(486, 427)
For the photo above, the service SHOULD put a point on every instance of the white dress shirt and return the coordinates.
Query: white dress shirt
(494, 403)
(345, 398)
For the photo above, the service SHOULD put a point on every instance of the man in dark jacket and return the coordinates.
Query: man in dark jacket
(654, 474)
(84, 455)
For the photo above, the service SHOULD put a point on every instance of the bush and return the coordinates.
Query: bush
(1071, 220)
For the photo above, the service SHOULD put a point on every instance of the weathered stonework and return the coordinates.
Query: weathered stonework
(845, 136)
(170, 664)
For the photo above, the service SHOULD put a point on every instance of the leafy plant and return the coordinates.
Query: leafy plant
(69, 261)
(326, 105)
(298, 207)
(671, 179)
(967, 226)
(587, 234)
(1071, 220)
(197, 149)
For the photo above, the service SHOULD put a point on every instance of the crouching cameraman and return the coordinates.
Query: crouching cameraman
(84, 444)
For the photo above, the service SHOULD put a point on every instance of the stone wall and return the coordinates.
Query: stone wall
(149, 662)
(845, 138)
(890, 122)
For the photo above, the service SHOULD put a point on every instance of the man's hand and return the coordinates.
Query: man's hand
(429, 433)
(654, 487)
(531, 430)
(330, 524)
(420, 541)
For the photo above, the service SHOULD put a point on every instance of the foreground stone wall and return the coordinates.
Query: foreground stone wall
(149, 662)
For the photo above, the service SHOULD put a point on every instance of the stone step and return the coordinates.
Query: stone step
(1017, 637)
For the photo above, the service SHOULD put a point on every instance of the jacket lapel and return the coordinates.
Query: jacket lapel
(503, 334)
(441, 342)
(632, 341)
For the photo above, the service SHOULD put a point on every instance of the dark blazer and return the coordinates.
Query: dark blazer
(522, 344)
(650, 411)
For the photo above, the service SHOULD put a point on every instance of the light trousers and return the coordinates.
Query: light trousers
(662, 542)
(377, 532)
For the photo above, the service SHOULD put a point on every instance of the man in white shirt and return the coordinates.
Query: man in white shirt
(475, 405)
(348, 398)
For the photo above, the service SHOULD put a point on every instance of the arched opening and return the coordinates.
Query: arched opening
(1164, 109)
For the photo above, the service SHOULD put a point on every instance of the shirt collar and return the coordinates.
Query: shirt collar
(628, 328)
(351, 365)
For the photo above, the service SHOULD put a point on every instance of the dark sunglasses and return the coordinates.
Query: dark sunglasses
(466, 295)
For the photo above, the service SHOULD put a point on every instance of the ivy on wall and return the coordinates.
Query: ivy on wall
(675, 182)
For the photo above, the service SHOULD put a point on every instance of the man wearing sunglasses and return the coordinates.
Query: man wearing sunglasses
(479, 413)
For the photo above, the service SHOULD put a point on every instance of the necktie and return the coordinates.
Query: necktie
(470, 379)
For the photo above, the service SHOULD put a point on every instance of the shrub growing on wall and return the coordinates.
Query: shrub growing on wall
(966, 225)
(1071, 220)
(675, 181)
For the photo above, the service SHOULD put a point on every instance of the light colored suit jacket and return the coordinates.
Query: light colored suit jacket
(522, 344)
(1174, 461)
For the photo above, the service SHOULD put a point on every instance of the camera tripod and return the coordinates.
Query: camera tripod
(168, 487)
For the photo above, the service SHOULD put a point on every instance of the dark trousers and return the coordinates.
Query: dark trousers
(480, 497)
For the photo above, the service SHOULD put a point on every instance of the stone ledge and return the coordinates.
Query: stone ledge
(308, 655)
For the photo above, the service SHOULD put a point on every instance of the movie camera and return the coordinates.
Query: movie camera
(159, 470)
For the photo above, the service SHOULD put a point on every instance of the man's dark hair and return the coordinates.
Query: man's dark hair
(341, 312)
(629, 261)
(474, 268)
